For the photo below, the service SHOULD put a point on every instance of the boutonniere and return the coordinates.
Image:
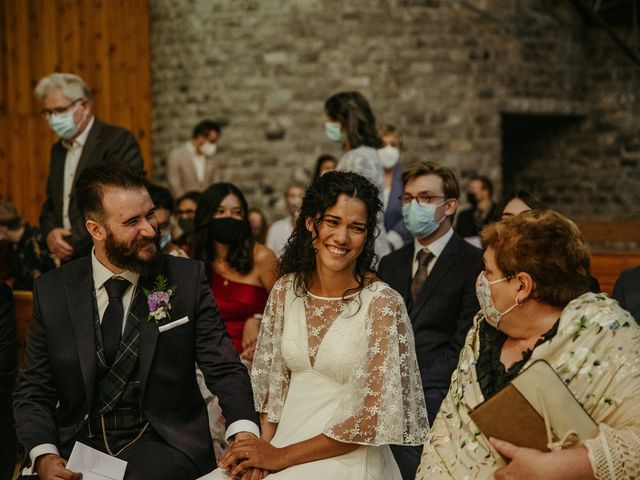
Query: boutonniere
(159, 299)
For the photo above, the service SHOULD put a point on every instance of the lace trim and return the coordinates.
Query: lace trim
(614, 453)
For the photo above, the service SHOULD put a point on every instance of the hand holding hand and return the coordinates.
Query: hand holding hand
(252, 452)
(53, 467)
(58, 245)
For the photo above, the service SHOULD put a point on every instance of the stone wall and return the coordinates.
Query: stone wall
(443, 71)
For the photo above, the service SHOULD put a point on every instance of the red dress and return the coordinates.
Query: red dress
(237, 302)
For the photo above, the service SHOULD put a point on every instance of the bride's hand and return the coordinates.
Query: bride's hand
(252, 452)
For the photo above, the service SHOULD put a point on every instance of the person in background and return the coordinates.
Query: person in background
(192, 165)
(350, 120)
(7, 381)
(241, 272)
(481, 212)
(516, 203)
(183, 219)
(397, 232)
(627, 291)
(325, 163)
(28, 255)
(85, 141)
(436, 275)
(259, 224)
(535, 305)
(280, 231)
(163, 201)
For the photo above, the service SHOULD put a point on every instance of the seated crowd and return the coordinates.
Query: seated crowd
(358, 337)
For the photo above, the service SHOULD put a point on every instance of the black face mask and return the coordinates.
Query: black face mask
(186, 224)
(226, 230)
(472, 199)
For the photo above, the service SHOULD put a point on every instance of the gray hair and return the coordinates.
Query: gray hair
(73, 87)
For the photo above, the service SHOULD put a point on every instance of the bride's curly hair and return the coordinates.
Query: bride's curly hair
(299, 256)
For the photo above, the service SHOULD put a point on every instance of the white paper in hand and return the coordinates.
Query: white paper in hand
(95, 465)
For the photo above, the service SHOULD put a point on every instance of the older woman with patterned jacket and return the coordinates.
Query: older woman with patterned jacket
(536, 306)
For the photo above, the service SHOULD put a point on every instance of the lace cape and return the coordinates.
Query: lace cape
(384, 402)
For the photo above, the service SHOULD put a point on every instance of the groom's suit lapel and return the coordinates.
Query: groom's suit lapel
(80, 303)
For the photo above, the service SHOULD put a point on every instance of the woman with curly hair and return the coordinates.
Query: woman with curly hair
(350, 120)
(335, 375)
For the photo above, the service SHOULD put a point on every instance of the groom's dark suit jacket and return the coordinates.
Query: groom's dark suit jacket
(445, 308)
(105, 144)
(58, 379)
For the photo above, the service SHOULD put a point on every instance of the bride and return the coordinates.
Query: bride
(335, 375)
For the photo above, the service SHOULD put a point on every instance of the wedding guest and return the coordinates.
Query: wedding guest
(516, 203)
(350, 120)
(27, 255)
(280, 230)
(535, 305)
(192, 165)
(259, 225)
(397, 232)
(184, 217)
(325, 163)
(241, 272)
(163, 201)
(85, 141)
(481, 212)
(335, 375)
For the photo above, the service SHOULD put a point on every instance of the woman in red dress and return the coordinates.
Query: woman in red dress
(241, 271)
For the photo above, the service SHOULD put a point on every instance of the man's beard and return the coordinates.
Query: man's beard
(126, 255)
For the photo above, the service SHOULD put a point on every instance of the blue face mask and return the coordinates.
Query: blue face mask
(165, 239)
(420, 220)
(333, 131)
(63, 125)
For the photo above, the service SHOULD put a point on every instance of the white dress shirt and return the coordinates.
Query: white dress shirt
(436, 248)
(199, 161)
(74, 152)
(278, 235)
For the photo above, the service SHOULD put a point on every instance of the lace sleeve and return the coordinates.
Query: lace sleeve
(269, 375)
(614, 453)
(385, 403)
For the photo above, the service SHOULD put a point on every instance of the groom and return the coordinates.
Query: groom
(113, 343)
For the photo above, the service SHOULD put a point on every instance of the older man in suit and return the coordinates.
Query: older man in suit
(112, 346)
(436, 276)
(84, 141)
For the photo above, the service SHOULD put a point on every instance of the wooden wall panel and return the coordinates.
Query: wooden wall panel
(106, 42)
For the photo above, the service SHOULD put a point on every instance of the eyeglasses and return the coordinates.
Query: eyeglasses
(423, 198)
(46, 113)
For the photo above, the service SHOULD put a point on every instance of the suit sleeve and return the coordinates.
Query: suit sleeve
(219, 361)
(174, 179)
(7, 355)
(619, 291)
(468, 308)
(47, 214)
(126, 151)
(36, 395)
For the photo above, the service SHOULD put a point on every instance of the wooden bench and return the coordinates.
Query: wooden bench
(24, 303)
(607, 266)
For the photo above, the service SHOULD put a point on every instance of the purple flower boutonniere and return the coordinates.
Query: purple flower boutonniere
(159, 299)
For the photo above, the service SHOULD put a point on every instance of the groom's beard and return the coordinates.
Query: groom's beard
(139, 255)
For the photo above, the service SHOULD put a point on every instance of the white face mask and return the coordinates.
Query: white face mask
(389, 156)
(483, 292)
(208, 149)
(63, 123)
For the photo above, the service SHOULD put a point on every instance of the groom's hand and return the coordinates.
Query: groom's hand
(53, 467)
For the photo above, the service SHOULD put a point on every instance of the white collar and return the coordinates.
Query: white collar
(101, 273)
(436, 247)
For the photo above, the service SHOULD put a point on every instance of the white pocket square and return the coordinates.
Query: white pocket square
(169, 326)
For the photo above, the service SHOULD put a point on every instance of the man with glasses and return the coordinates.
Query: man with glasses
(84, 141)
(436, 276)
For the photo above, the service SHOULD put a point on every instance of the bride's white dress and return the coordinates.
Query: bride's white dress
(345, 367)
